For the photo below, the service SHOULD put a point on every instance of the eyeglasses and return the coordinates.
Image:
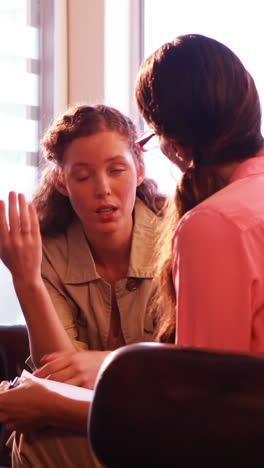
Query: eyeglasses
(147, 141)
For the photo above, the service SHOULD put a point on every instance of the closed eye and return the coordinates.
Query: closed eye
(117, 169)
(81, 179)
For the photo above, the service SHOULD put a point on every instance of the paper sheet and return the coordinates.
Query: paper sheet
(71, 391)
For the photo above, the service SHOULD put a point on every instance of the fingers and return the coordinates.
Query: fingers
(63, 367)
(33, 220)
(25, 221)
(81, 380)
(60, 373)
(4, 385)
(57, 360)
(75, 368)
(51, 368)
(63, 375)
(22, 216)
(52, 356)
(14, 223)
(3, 223)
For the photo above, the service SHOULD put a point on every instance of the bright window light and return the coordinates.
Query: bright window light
(238, 24)
(19, 118)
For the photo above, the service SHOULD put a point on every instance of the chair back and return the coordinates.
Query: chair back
(160, 406)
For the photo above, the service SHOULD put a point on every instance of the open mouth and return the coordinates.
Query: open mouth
(106, 210)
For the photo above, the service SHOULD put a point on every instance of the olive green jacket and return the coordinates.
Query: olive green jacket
(82, 298)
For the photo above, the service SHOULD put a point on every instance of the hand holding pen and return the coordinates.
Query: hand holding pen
(13, 383)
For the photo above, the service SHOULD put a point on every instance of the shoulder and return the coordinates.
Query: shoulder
(69, 256)
(236, 209)
(146, 233)
(144, 217)
(55, 244)
(204, 226)
(59, 249)
(206, 243)
(147, 224)
(54, 255)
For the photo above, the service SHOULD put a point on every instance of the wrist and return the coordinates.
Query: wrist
(23, 285)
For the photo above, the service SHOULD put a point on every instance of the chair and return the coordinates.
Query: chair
(159, 406)
(14, 350)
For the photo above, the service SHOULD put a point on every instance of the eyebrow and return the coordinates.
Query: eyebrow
(86, 164)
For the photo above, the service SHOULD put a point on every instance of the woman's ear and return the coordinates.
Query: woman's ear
(140, 173)
(182, 156)
(59, 182)
(182, 152)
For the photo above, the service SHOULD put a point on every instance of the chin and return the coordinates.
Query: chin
(107, 228)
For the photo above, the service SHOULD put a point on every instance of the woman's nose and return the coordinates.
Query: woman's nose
(102, 186)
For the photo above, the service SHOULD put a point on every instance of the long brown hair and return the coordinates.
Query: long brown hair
(54, 209)
(194, 91)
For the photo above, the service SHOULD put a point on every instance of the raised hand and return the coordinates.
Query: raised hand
(76, 368)
(20, 241)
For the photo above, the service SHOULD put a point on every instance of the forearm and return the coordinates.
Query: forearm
(21, 252)
(69, 413)
(46, 333)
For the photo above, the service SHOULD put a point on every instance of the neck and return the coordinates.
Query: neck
(111, 253)
(226, 171)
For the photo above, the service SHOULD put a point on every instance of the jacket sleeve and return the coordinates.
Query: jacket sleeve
(213, 282)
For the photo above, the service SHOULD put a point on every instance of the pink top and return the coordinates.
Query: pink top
(218, 266)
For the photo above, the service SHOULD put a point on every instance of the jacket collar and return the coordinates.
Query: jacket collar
(81, 267)
(144, 240)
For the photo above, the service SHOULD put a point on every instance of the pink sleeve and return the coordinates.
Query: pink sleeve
(212, 282)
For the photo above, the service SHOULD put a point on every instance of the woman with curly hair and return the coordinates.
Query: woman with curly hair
(81, 255)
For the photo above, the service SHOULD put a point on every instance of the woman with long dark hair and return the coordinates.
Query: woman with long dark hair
(202, 103)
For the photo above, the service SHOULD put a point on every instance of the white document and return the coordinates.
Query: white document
(71, 391)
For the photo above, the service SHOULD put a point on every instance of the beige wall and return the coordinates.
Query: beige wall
(85, 51)
(98, 47)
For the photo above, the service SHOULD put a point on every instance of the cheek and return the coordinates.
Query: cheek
(129, 188)
(167, 150)
(79, 197)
